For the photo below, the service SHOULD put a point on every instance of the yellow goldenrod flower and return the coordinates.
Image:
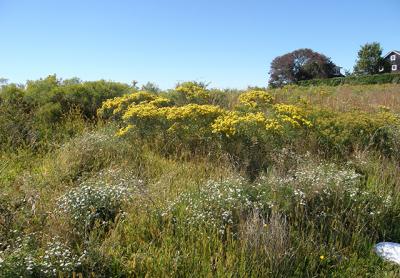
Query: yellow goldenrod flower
(255, 98)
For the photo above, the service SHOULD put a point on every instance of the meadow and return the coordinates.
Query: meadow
(103, 179)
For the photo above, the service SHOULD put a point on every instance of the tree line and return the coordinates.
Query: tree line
(306, 64)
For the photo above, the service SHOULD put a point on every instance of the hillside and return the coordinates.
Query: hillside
(104, 179)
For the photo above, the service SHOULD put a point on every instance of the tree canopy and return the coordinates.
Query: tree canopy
(369, 59)
(301, 64)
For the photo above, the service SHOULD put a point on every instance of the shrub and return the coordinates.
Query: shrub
(26, 259)
(331, 199)
(89, 152)
(345, 132)
(19, 259)
(187, 126)
(116, 107)
(255, 99)
(354, 80)
(95, 202)
(218, 205)
(192, 92)
(33, 114)
(248, 134)
(85, 96)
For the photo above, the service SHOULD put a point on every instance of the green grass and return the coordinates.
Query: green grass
(306, 215)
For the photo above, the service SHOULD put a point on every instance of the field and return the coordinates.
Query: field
(103, 179)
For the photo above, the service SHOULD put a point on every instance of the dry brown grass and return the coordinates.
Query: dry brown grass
(269, 237)
(344, 98)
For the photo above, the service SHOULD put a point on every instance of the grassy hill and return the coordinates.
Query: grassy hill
(101, 178)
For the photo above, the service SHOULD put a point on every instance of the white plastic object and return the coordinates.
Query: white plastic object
(389, 251)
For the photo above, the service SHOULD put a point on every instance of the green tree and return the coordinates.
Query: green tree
(369, 59)
(3, 81)
(151, 87)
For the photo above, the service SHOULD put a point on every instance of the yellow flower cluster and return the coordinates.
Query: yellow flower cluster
(193, 91)
(234, 123)
(343, 132)
(193, 111)
(194, 117)
(116, 107)
(292, 115)
(123, 131)
(150, 115)
(255, 98)
(142, 110)
(173, 113)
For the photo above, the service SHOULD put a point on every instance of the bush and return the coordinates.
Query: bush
(192, 92)
(354, 80)
(321, 191)
(94, 203)
(85, 96)
(217, 205)
(26, 259)
(255, 99)
(32, 115)
(89, 152)
(346, 132)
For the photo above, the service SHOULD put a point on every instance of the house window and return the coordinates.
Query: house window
(394, 67)
(393, 58)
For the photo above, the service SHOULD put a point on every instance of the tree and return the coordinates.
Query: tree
(369, 59)
(301, 64)
(151, 87)
(3, 81)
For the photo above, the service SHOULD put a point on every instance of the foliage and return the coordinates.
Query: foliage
(301, 64)
(34, 114)
(369, 59)
(346, 132)
(93, 203)
(115, 108)
(24, 260)
(151, 87)
(188, 125)
(249, 124)
(286, 182)
(382, 78)
(216, 204)
(86, 96)
(255, 99)
(251, 131)
(88, 152)
(192, 92)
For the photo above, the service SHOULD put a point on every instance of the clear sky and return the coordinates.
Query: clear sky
(228, 43)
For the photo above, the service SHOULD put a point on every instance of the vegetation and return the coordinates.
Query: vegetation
(107, 180)
(369, 60)
(301, 64)
(306, 67)
(382, 78)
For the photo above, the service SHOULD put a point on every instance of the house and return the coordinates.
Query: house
(337, 72)
(393, 60)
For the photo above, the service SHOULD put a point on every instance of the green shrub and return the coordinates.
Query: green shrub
(354, 80)
(218, 205)
(25, 258)
(95, 203)
(30, 114)
(85, 96)
(343, 133)
(89, 152)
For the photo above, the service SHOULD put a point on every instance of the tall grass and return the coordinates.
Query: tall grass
(93, 203)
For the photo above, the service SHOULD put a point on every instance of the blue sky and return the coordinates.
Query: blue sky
(227, 43)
